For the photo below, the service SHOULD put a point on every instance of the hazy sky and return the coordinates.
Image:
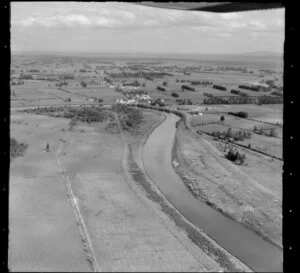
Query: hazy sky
(126, 27)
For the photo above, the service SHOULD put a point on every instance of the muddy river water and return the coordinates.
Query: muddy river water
(240, 241)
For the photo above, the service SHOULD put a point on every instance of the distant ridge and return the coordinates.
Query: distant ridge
(262, 53)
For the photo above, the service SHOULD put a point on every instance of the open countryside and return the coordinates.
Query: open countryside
(146, 162)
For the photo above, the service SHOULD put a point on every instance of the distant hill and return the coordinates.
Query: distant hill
(262, 54)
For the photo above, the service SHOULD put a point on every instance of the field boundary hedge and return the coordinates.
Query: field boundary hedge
(244, 146)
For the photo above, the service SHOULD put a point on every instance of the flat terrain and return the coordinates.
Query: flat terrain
(78, 208)
(125, 234)
(43, 232)
(251, 194)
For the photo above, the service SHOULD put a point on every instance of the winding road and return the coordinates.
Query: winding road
(240, 241)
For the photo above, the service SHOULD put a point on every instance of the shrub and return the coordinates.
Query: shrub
(235, 156)
(273, 132)
(83, 84)
(229, 134)
(240, 114)
(72, 123)
(17, 148)
(174, 94)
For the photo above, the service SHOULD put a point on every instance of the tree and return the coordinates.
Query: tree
(83, 84)
(222, 118)
(229, 133)
(273, 132)
(47, 147)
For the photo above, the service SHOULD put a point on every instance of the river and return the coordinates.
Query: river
(240, 241)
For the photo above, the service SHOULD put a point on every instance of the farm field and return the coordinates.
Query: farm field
(43, 232)
(124, 229)
(266, 144)
(124, 232)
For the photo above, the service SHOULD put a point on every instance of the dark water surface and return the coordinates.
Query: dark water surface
(240, 241)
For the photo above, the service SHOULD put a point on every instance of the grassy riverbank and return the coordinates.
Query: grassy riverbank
(250, 194)
(135, 166)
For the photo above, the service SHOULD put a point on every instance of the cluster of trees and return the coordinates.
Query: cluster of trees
(272, 132)
(17, 148)
(18, 82)
(67, 77)
(205, 83)
(108, 80)
(148, 78)
(237, 92)
(233, 68)
(84, 114)
(186, 87)
(25, 77)
(159, 88)
(271, 83)
(215, 100)
(240, 114)
(159, 102)
(276, 93)
(241, 100)
(136, 92)
(269, 100)
(61, 84)
(184, 102)
(247, 87)
(219, 87)
(135, 83)
(239, 135)
(34, 70)
(129, 117)
(147, 75)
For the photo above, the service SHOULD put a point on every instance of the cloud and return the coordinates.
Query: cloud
(68, 20)
(129, 16)
(257, 25)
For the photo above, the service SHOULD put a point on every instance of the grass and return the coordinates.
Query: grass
(195, 236)
(201, 240)
(229, 188)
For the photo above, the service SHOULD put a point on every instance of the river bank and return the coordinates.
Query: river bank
(194, 234)
(229, 188)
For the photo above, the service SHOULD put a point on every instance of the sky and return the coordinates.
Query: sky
(120, 27)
